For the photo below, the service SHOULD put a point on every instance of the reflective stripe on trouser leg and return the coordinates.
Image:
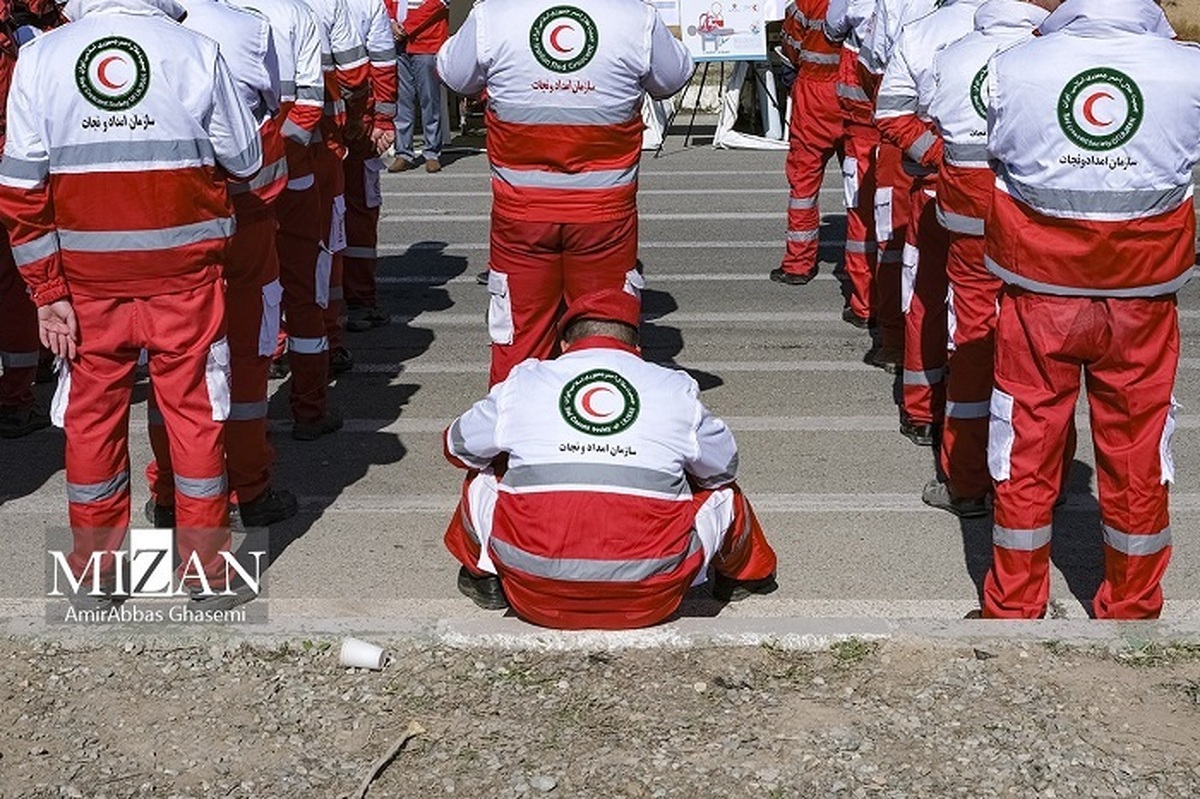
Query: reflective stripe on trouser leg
(541, 264)
(18, 335)
(925, 320)
(861, 247)
(815, 137)
(362, 235)
(890, 182)
(331, 181)
(1032, 410)
(963, 455)
(1129, 391)
(308, 347)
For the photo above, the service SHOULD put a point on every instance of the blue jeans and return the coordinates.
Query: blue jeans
(418, 81)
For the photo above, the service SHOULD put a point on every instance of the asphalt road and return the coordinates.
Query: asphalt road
(836, 487)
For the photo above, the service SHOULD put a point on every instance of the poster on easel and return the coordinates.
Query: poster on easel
(724, 30)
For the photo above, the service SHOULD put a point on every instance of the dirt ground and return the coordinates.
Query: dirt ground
(859, 720)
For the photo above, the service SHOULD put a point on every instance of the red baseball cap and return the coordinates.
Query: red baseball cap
(606, 305)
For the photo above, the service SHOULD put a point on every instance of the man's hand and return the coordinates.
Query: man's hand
(57, 328)
(398, 32)
(382, 139)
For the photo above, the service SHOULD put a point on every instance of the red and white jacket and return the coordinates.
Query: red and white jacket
(565, 131)
(249, 51)
(958, 106)
(901, 107)
(880, 35)
(603, 450)
(121, 129)
(426, 23)
(370, 18)
(846, 22)
(297, 41)
(804, 43)
(345, 66)
(1095, 151)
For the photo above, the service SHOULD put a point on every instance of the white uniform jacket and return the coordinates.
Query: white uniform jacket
(1094, 150)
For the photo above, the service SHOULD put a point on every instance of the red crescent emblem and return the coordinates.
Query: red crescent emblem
(585, 402)
(102, 69)
(1088, 109)
(554, 39)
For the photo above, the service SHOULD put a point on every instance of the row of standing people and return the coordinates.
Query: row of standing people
(1018, 192)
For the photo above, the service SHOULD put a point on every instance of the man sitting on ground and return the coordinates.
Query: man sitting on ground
(600, 488)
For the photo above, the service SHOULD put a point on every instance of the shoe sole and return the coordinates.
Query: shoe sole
(973, 514)
(792, 282)
(919, 440)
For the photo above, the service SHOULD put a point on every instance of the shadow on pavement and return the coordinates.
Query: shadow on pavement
(1076, 545)
(662, 343)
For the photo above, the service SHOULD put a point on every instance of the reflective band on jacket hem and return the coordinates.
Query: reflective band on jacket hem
(894, 102)
(848, 92)
(960, 223)
(287, 88)
(296, 133)
(803, 235)
(82, 493)
(42, 247)
(965, 154)
(145, 240)
(308, 346)
(345, 57)
(1137, 545)
(1092, 204)
(25, 173)
(519, 113)
(802, 203)
(385, 58)
(246, 162)
(1021, 540)
(201, 487)
(245, 411)
(301, 183)
(177, 152)
(929, 377)
(586, 570)
(535, 178)
(556, 475)
(19, 360)
(1154, 290)
(265, 177)
(309, 92)
(968, 410)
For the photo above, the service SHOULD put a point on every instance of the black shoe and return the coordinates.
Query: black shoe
(486, 591)
(18, 423)
(889, 359)
(161, 516)
(919, 434)
(937, 494)
(340, 361)
(482, 277)
(727, 589)
(270, 508)
(861, 322)
(331, 422)
(279, 368)
(791, 278)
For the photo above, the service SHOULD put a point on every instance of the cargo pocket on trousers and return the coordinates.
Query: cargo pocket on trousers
(337, 227)
(951, 321)
(883, 214)
(62, 393)
(1166, 458)
(372, 188)
(909, 259)
(635, 281)
(216, 377)
(268, 326)
(499, 316)
(324, 275)
(850, 182)
(1000, 436)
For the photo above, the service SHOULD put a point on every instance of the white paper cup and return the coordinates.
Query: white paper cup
(362, 654)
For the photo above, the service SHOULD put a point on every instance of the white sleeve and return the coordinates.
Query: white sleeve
(270, 89)
(381, 47)
(462, 62)
(345, 42)
(310, 81)
(471, 438)
(716, 460)
(670, 62)
(898, 90)
(231, 127)
(837, 23)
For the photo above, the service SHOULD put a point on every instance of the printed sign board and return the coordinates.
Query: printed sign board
(724, 31)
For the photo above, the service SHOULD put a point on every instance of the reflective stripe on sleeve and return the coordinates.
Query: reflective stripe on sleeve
(23, 174)
(966, 154)
(265, 177)
(896, 102)
(849, 92)
(42, 247)
(921, 146)
(296, 133)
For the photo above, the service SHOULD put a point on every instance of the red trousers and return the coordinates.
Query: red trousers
(364, 197)
(858, 178)
(1128, 350)
(252, 299)
(892, 199)
(974, 292)
(305, 268)
(923, 299)
(537, 267)
(815, 136)
(19, 346)
(732, 541)
(332, 184)
(189, 366)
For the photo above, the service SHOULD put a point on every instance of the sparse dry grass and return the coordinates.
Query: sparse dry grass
(1185, 17)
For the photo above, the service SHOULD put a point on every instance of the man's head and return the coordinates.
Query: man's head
(611, 312)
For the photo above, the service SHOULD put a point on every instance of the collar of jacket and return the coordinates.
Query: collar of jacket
(999, 15)
(76, 10)
(602, 343)
(1108, 17)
